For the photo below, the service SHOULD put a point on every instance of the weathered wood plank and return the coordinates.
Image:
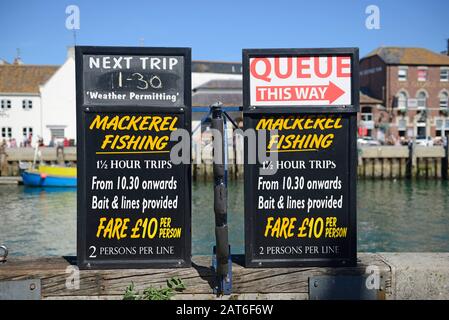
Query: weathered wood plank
(199, 279)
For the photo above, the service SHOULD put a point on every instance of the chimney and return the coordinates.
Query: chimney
(447, 48)
(17, 59)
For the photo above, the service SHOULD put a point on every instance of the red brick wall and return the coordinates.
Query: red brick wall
(412, 86)
(381, 82)
(433, 85)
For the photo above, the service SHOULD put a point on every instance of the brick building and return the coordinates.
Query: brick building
(413, 85)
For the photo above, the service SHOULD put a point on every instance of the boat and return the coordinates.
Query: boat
(50, 176)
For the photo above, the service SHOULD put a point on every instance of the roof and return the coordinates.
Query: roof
(24, 78)
(409, 56)
(217, 67)
(227, 91)
(365, 99)
(225, 84)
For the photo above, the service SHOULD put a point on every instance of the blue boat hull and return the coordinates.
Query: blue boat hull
(35, 179)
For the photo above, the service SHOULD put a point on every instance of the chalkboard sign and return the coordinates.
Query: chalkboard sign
(139, 80)
(134, 201)
(300, 194)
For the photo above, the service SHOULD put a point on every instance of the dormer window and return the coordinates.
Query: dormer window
(27, 104)
(6, 104)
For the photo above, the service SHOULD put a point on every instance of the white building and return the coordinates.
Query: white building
(205, 71)
(58, 98)
(20, 101)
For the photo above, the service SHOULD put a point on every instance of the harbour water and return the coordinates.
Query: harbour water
(398, 216)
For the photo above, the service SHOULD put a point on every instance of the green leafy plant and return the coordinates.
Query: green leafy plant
(174, 285)
(130, 293)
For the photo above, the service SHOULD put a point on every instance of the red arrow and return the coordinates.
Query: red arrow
(330, 92)
(333, 92)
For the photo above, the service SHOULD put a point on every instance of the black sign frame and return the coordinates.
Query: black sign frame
(250, 171)
(82, 110)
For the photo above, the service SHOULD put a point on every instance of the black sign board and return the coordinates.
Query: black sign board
(300, 193)
(134, 200)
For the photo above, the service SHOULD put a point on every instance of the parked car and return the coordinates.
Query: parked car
(424, 141)
(368, 141)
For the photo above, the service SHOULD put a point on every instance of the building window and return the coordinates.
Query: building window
(27, 131)
(422, 74)
(421, 96)
(27, 104)
(402, 74)
(6, 104)
(366, 123)
(444, 97)
(57, 133)
(439, 125)
(442, 127)
(444, 74)
(402, 127)
(6, 132)
(421, 131)
(402, 100)
(367, 114)
(367, 117)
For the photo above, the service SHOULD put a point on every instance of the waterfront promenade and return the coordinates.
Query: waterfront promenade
(379, 162)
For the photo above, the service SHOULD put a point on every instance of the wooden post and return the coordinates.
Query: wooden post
(445, 159)
(408, 170)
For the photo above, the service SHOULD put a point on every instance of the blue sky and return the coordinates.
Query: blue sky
(218, 30)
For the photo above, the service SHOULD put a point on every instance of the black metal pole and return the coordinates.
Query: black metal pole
(409, 167)
(445, 159)
(220, 199)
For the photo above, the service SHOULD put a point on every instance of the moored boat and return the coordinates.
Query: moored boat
(50, 176)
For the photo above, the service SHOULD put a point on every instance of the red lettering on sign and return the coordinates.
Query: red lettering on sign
(263, 76)
(317, 67)
(343, 63)
(306, 67)
(301, 67)
(277, 68)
